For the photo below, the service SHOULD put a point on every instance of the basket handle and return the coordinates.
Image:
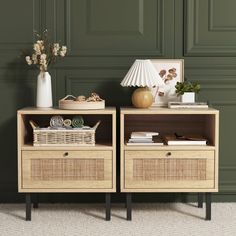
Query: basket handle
(97, 124)
(67, 96)
(33, 124)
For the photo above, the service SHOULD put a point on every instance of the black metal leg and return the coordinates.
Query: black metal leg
(28, 206)
(129, 205)
(200, 200)
(35, 203)
(108, 206)
(208, 206)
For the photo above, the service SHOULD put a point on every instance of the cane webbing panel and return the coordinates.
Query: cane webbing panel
(67, 169)
(169, 169)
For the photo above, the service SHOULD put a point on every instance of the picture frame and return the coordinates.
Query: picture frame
(169, 71)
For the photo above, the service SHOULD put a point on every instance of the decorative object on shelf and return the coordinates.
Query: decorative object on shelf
(56, 122)
(81, 98)
(192, 105)
(61, 136)
(176, 139)
(71, 102)
(187, 91)
(44, 90)
(44, 54)
(146, 134)
(33, 124)
(94, 98)
(145, 138)
(142, 74)
(169, 72)
(77, 122)
(188, 97)
(67, 123)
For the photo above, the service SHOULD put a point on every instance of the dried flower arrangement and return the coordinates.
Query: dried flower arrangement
(45, 52)
(94, 101)
(94, 97)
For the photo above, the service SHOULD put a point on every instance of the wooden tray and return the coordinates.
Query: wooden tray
(76, 105)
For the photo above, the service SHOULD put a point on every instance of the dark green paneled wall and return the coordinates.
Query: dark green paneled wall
(104, 38)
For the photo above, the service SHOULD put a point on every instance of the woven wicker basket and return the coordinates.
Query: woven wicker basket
(63, 137)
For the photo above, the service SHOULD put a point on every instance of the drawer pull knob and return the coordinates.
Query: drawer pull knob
(168, 154)
(66, 154)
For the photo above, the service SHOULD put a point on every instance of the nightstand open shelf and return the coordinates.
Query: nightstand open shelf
(63, 168)
(169, 168)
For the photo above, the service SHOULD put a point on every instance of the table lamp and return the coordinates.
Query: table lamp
(144, 75)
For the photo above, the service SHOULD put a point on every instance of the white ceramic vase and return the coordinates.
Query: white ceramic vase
(44, 90)
(188, 97)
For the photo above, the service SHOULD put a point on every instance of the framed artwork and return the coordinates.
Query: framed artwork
(169, 72)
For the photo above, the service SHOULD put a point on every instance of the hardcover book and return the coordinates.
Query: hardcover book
(139, 140)
(158, 141)
(151, 144)
(143, 134)
(187, 105)
(185, 140)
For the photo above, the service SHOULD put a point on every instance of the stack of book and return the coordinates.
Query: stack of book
(176, 139)
(198, 105)
(144, 138)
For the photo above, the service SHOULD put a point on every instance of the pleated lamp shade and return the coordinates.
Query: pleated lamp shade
(141, 74)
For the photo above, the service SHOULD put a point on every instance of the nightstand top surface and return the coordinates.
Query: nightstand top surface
(165, 110)
(54, 110)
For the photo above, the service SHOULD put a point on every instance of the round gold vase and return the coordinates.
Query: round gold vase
(142, 98)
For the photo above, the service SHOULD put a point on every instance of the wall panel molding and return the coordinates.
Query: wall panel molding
(148, 38)
(224, 103)
(228, 168)
(212, 26)
(226, 184)
(202, 36)
(18, 34)
(14, 43)
(137, 32)
(121, 35)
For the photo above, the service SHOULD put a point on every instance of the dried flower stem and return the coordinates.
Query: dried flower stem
(44, 52)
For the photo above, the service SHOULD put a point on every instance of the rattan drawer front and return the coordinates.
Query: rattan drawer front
(181, 169)
(73, 169)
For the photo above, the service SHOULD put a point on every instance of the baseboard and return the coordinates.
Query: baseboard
(13, 197)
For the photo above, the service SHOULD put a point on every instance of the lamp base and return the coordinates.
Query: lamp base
(142, 98)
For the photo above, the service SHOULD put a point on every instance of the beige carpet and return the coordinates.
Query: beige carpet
(148, 219)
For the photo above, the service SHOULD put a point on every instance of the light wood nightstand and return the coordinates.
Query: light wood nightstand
(67, 168)
(170, 168)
